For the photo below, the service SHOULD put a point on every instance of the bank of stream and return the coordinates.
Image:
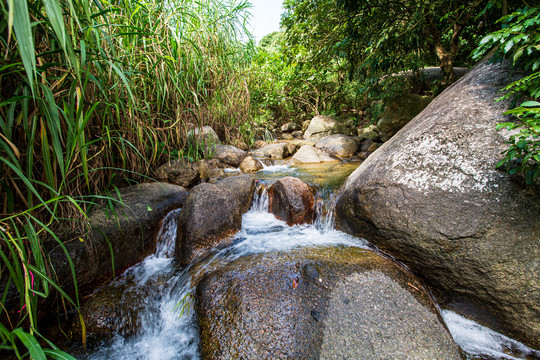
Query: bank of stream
(159, 321)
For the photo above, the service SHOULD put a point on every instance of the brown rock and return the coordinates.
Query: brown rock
(250, 164)
(242, 187)
(318, 303)
(291, 200)
(178, 172)
(209, 216)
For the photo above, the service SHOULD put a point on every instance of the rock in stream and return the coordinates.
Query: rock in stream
(311, 303)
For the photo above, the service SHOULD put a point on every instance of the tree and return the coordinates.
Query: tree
(383, 36)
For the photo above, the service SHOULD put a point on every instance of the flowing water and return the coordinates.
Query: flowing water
(166, 320)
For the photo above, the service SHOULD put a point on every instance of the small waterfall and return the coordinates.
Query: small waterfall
(260, 200)
(158, 290)
(325, 204)
(167, 235)
(157, 294)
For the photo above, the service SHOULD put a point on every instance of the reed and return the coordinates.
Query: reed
(96, 93)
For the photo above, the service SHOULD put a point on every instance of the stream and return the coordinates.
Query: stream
(166, 320)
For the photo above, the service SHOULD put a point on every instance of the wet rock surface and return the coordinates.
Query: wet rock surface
(292, 200)
(432, 197)
(242, 187)
(311, 303)
(209, 216)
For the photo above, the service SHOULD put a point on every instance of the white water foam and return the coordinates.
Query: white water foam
(283, 168)
(478, 340)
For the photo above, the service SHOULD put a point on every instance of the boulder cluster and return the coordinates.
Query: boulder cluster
(322, 139)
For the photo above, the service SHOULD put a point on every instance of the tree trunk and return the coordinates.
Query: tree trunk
(446, 60)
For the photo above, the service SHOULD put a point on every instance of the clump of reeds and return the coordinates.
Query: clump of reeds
(94, 93)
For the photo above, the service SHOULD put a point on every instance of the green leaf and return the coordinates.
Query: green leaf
(58, 354)
(530, 104)
(25, 41)
(30, 342)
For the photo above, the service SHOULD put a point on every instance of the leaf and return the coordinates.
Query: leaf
(58, 354)
(508, 46)
(148, 208)
(30, 342)
(25, 41)
(530, 104)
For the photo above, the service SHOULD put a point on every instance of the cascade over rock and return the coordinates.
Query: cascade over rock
(318, 303)
(129, 232)
(250, 164)
(432, 197)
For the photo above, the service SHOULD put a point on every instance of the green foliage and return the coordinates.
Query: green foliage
(519, 40)
(523, 154)
(94, 93)
(386, 36)
(287, 85)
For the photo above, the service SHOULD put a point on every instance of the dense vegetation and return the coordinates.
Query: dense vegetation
(97, 94)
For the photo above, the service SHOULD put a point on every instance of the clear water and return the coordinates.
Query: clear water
(167, 333)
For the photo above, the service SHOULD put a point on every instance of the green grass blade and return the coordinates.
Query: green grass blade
(30, 342)
(25, 41)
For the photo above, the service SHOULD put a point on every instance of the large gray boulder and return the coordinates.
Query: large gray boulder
(432, 197)
(318, 303)
(338, 145)
(129, 231)
(322, 126)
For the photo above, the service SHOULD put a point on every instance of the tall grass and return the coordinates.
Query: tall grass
(93, 93)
